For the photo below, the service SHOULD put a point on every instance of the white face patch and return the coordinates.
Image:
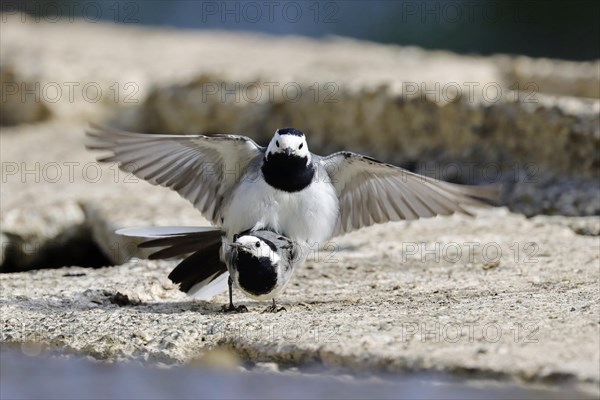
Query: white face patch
(257, 247)
(295, 145)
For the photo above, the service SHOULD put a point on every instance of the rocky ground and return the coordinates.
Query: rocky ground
(497, 296)
(500, 296)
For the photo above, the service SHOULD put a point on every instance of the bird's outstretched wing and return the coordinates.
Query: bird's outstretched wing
(202, 169)
(371, 191)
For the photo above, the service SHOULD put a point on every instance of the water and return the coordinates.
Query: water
(60, 376)
(551, 28)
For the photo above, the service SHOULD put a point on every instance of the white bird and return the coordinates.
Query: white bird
(260, 263)
(240, 186)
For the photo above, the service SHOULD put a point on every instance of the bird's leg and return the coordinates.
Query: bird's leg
(273, 308)
(232, 308)
(230, 284)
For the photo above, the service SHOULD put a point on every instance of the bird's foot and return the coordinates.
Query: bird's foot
(231, 308)
(273, 309)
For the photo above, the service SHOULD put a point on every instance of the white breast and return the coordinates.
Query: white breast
(309, 215)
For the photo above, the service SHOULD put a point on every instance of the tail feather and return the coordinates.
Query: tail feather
(206, 291)
(203, 266)
(202, 274)
(176, 240)
(179, 250)
(177, 245)
(166, 231)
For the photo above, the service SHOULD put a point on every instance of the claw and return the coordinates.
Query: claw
(231, 307)
(238, 309)
(273, 308)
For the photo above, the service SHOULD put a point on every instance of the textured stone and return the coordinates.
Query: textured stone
(390, 297)
(589, 226)
(31, 235)
(396, 297)
(551, 76)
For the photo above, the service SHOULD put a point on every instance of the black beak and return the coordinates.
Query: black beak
(236, 247)
(288, 152)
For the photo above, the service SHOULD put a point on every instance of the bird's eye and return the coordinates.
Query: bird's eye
(301, 145)
(257, 244)
(277, 143)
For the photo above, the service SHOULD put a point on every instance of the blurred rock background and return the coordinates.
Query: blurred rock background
(530, 124)
(470, 92)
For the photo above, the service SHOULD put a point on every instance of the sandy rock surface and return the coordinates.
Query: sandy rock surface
(500, 296)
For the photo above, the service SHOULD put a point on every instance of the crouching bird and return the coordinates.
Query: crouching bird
(260, 263)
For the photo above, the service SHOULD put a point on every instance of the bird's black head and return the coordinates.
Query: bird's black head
(290, 131)
(256, 261)
(288, 164)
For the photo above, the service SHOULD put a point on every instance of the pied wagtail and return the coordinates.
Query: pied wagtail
(260, 263)
(293, 192)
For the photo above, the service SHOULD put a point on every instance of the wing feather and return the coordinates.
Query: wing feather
(389, 207)
(371, 191)
(198, 167)
(376, 207)
(365, 212)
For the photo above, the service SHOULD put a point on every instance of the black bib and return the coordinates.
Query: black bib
(287, 173)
